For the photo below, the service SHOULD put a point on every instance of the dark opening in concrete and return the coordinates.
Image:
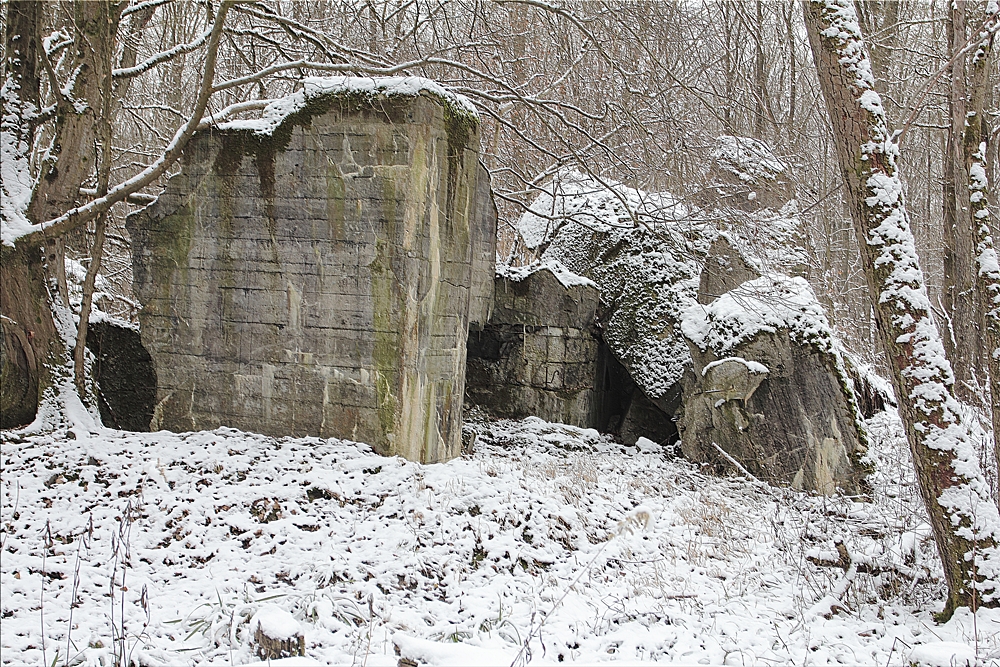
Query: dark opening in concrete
(126, 379)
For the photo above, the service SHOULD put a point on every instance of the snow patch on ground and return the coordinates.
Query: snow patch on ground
(548, 535)
(275, 622)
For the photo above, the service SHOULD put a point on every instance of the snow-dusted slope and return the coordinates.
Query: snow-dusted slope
(548, 534)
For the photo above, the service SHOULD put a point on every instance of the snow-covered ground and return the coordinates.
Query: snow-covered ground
(548, 544)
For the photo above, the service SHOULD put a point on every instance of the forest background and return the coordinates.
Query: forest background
(632, 92)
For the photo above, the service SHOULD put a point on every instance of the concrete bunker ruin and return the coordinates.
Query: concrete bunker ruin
(315, 272)
(329, 270)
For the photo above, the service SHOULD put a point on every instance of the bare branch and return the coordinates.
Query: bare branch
(162, 57)
(83, 214)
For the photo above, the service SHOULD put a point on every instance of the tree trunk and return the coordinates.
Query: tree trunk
(26, 327)
(974, 144)
(962, 514)
(28, 336)
(103, 48)
(960, 301)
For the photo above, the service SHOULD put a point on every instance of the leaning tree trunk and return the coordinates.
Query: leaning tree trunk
(989, 281)
(963, 517)
(974, 142)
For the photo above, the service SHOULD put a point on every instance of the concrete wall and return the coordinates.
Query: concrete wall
(320, 281)
(539, 354)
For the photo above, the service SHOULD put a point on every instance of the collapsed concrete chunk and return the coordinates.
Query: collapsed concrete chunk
(539, 354)
(725, 269)
(643, 250)
(314, 272)
(746, 175)
(768, 390)
(774, 397)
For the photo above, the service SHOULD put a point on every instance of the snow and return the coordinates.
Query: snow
(16, 183)
(599, 205)
(275, 113)
(548, 532)
(752, 366)
(845, 29)
(647, 446)
(275, 623)
(943, 654)
(747, 158)
(766, 304)
(566, 277)
(298, 661)
(454, 654)
(987, 260)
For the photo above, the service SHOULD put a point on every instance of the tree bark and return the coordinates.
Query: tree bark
(964, 519)
(960, 300)
(26, 304)
(26, 327)
(975, 142)
(27, 334)
(103, 45)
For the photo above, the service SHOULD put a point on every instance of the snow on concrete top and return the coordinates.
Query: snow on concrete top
(315, 87)
(275, 623)
(600, 205)
(766, 304)
(747, 158)
(566, 277)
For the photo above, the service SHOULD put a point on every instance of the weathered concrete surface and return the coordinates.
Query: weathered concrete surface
(484, 251)
(746, 175)
(725, 269)
(321, 280)
(768, 388)
(661, 266)
(792, 425)
(539, 353)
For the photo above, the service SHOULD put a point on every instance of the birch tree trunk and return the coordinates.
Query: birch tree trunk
(962, 514)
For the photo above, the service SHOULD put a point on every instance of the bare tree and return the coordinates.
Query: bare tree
(962, 513)
(77, 123)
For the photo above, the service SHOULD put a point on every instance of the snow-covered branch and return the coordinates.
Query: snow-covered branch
(162, 57)
(83, 214)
